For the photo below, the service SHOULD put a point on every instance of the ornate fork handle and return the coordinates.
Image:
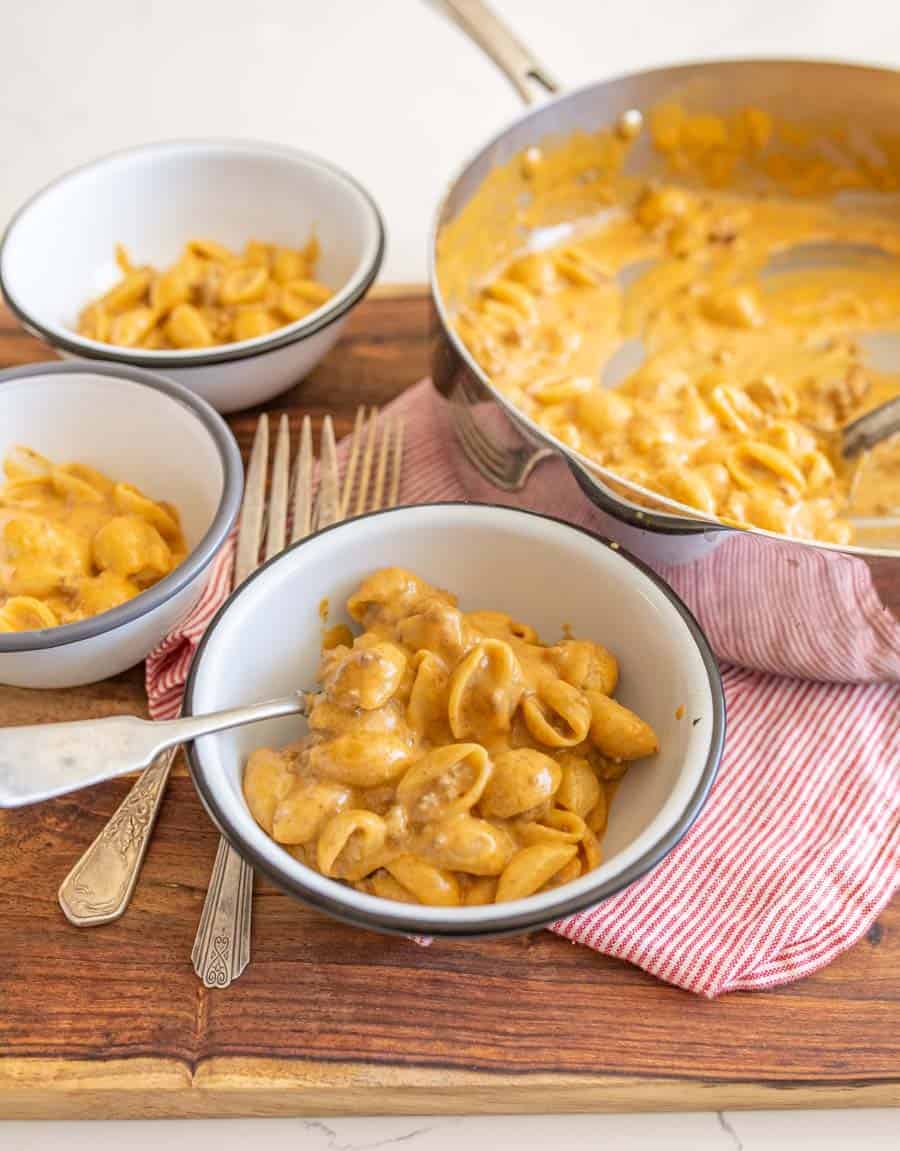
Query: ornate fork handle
(99, 886)
(221, 949)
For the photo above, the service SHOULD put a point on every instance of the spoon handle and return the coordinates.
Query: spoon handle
(41, 761)
(877, 425)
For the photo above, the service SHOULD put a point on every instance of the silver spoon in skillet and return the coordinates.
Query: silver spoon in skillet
(881, 350)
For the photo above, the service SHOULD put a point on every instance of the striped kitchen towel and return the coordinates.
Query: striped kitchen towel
(798, 848)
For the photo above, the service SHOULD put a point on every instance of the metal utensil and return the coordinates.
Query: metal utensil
(99, 887)
(40, 761)
(221, 948)
(504, 446)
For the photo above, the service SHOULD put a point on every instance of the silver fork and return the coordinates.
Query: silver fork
(99, 887)
(221, 949)
(506, 467)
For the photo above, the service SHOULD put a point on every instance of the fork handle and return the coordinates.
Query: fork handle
(221, 948)
(99, 887)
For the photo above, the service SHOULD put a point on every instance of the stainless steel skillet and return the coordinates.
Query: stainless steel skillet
(766, 601)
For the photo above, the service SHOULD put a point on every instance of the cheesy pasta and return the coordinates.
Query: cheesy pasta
(452, 758)
(74, 543)
(751, 364)
(210, 296)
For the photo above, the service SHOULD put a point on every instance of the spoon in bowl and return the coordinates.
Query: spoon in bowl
(40, 761)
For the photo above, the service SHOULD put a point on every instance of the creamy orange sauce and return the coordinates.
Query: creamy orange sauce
(453, 759)
(74, 543)
(741, 347)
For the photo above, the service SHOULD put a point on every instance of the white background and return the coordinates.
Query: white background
(391, 91)
(386, 88)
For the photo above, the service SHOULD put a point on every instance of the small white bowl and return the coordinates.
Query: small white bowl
(143, 430)
(266, 639)
(57, 253)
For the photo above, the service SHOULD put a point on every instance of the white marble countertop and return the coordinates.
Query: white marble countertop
(721, 1131)
(396, 95)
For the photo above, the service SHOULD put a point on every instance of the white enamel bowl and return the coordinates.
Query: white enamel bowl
(144, 430)
(57, 253)
(266, 639)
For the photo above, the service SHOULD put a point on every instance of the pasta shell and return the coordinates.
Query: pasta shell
(104, 591)
(555, 827)
(351, 845)
(130, 501)
(169, 290)
(557, 715)
(753, 460)
(579, 789)
(253, 323)
(389, 595)
(74, 488)
(522, 779)
(243, 285)
(431, 885)
(25, 613)
(186, 328)
(618, 732)
(267, 780)
(385, 886)
(429, 693)
(361, 760)
(128, 329)
(479, 890)
(288, 264)
(367, 675)
(485, 690)
(23, 463)
(130, 546)
(530, 868)
(464, 843)
(446, 782)
(499, 625)
(438, 627)
(300, 815)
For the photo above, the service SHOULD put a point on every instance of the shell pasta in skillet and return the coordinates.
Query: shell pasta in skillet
(452, 758)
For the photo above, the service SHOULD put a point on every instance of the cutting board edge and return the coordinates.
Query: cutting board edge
(232, 1086)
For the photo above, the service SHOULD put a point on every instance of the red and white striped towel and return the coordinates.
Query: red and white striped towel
(798, 848)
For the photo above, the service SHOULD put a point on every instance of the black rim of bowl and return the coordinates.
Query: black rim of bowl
(502, 925)
(198, 559)
(227, 353)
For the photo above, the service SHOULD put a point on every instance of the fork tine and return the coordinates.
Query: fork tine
(352, 460)
(276, 535)
(381, 470)
(394, 490)
(486, 448)
(303, 484)
(250, 530)
(329, 500)
(480, 447)
(367, 462)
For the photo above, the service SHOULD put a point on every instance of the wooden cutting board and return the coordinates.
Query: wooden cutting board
(330, 1019)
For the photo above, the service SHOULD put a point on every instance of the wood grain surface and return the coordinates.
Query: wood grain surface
(331, 1019)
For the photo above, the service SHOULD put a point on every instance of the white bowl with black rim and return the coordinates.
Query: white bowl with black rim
(144, 430)
(58, 252)
(265, 642)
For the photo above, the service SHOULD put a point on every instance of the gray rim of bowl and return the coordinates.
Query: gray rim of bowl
(522, 921)
(196, 560)
(228, 353)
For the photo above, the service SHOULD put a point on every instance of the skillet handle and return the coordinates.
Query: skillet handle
(524, 71)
